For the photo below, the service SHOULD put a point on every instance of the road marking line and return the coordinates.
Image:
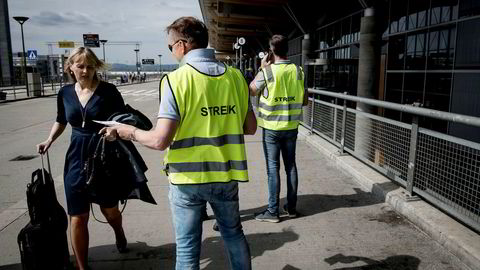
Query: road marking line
(128, 91)
(153, 92)
(142, 98)
(139, 93)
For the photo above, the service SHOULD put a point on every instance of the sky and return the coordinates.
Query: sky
(114, 20)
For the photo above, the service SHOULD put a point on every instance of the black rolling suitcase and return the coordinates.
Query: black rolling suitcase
(43, 241)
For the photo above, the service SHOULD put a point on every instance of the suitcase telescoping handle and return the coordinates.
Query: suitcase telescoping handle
(43, 167)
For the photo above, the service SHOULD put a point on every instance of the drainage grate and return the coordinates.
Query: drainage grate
(23, 157)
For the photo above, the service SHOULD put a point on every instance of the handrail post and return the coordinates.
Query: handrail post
(412, 153)
(311, 115)
(344, 125)
(334, 120)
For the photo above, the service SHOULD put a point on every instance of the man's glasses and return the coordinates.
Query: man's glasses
(170, 47)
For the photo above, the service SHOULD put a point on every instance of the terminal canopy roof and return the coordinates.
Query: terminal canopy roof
(257, 20)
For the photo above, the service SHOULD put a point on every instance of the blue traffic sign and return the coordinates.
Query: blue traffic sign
(32, 54)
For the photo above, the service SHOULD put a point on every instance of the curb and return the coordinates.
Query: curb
(455, 237)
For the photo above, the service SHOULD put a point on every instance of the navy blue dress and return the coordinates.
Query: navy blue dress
(105, 101)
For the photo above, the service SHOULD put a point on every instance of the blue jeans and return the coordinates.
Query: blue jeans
(187, 203)
(274, 142)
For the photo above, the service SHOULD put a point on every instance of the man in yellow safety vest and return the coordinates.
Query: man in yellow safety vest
(204, 113)
(280, 85)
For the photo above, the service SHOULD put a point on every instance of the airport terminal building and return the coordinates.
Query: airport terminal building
(423, 51)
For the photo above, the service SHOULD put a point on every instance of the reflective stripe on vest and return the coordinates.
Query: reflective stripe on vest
(281, 109)
(217, 141)
(209, 145)
(269, 74)
(281, 118)
(207, 166)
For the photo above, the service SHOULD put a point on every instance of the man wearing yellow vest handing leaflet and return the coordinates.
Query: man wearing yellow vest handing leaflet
(203, 116)
(280, 86)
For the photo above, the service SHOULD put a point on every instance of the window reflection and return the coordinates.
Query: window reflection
(422, 18)
(435, 15)
(469, 8)
(417, 10)
(437, 97)
(465, 99)
(396, 53)
(438, 84)
(413, 88)
(443, 11)
(441, 48)
(398, 13)
(415, 52)
(468, 52)
(393, 93)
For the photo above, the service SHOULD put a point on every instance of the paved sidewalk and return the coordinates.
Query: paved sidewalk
(343, 225)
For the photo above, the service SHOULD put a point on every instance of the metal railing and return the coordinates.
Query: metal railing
(440, 168)
(36, 89)
(51, 86)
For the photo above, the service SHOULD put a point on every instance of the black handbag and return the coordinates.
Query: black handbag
(107, 173)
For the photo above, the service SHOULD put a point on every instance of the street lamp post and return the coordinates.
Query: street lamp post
(160, 64)
(103, 41)
(21, 20)
(137, 63)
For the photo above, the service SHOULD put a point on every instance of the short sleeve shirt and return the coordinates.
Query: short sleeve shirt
(202, 60)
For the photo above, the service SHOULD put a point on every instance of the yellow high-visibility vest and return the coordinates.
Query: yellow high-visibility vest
(280, 106)
(209, 145)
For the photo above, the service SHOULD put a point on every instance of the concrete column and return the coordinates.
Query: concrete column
(368, 59)
(367, 85)
(305, 48)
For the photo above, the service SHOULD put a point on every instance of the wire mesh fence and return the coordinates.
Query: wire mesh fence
(442, 169)
(448, 169)
(324, 119)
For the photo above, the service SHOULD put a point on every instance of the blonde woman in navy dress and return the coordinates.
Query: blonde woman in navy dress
(87, 99)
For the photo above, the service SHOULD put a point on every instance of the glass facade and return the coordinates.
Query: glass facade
(336, 49)
(429, 54)
(432, 44)
(6, 65)
(295, 51)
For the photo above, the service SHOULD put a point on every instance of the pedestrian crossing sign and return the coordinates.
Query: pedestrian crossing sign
(32, 54)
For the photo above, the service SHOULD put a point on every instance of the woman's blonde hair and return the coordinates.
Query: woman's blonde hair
(89, 56)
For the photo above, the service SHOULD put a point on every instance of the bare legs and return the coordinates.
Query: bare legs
(79, 234)
(114, 218)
